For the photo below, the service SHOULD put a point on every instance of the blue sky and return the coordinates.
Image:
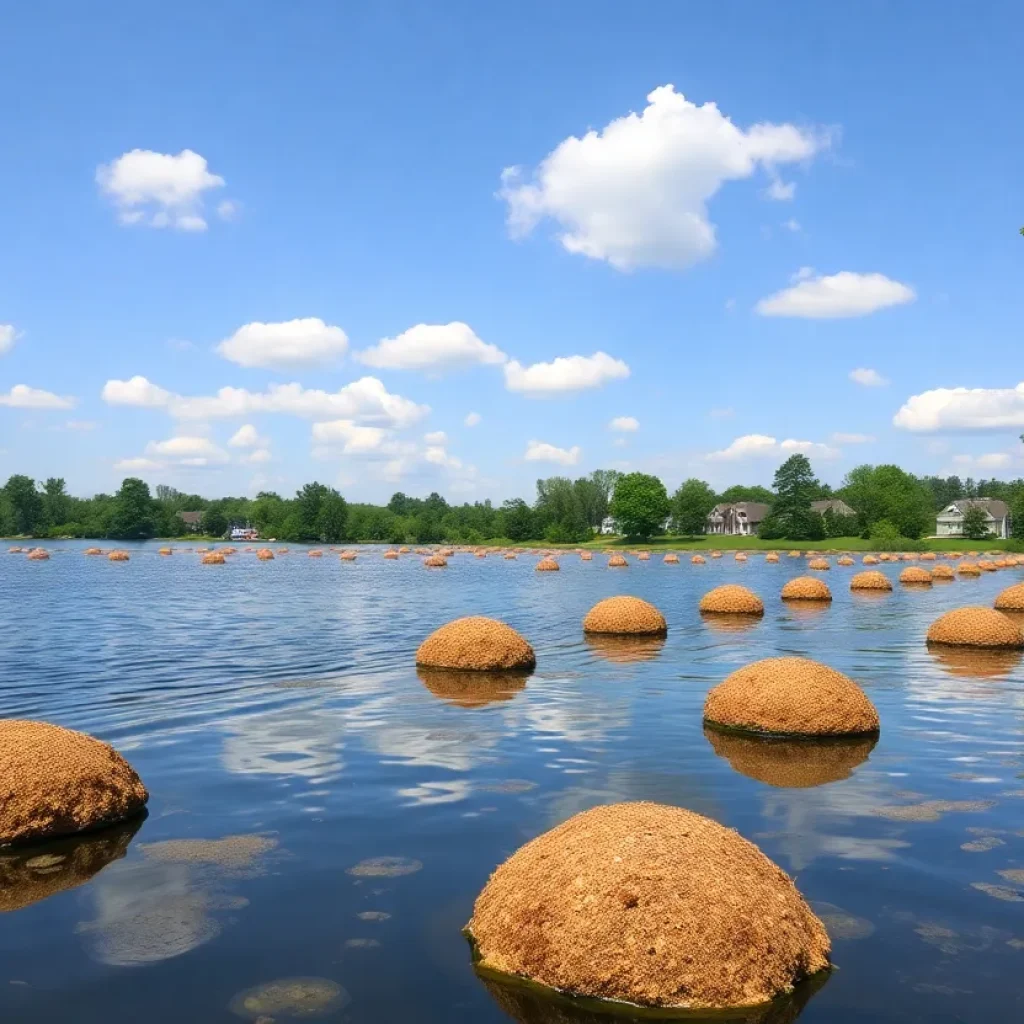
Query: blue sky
(235, 196)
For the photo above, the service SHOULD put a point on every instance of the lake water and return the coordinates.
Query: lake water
(278, 704)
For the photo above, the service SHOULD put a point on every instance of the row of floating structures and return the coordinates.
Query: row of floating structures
(634, 902)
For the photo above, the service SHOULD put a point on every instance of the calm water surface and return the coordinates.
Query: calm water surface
(276, 706)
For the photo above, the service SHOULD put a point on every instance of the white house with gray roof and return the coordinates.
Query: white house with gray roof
(950, 521)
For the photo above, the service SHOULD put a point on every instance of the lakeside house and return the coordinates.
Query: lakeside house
(738, 518)
(837, 506)
(192, 521)
(950, 521)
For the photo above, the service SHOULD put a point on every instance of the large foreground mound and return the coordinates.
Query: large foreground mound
(624, 615)
(731, 599)
(975, 626)
(916, 576)
(871, 580)
(56, 782)
(476, 643)
(652, 905)
(1011, 599)
(791, 697)
(547, 564)
(806, 588)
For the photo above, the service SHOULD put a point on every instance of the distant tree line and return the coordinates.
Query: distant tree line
(891, 506)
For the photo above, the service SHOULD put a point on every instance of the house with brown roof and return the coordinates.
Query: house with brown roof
(737, 519)
(193, 521)
(950, 521)
(836, 506)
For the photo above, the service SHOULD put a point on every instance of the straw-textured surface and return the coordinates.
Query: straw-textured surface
(56, 782)
(38, 555)
(791, 763)
(652, 905)
(869, 560)
(916, 576)
(586, 556)
(975, 626)
(739, 557)
(547, 564)
(968, 569)
(698, 560)
(347, 556)
(716, 554)
(265, 555)
(844, 560)
(871, 580)
(671, 559)
(315, 553)
(165, 551)
(643, 556)
(943, 572)
(791, 696)
(819, 564)
(732, 599)
(392, 555)
(806, 588)
(435, 561)
(213, 558)
(771, 557)
(1011, 599)
(624, 615)
(476, 643)
(118, 556)
(794, 553)
(986, 565)
(928, 556)
(94, 551)
(617, 562)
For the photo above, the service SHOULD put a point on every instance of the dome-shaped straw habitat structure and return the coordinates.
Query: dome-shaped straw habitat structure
(869, 560)
(579, 909)
(806, 588)
(819, 564)
(772, 556)
(94, 551)
(731, 599)
(915, 576)
(617, 562)
(435, 562)
(698, 560)
(315, 553)
(213, 558)
(59, 782)
(165, 552)
(643, 556)
(986, 566)
(38, 555)
(1011, 599)
(391, 555)
(477, 644)
(943, 572)
(625, 616)
(118, 556)
(871, 580)
(265, 555)
(793, 763)
(790, 697)
(510, 556)
(976, 626)
(586, 556)
(740, 556)
(15, 551)
(347, 556)
(844, 560)
(794, 553)
(928, 556)
(547, 564)
(671, 559)
(471, 688)
(716, 554)
(403, 550)
(968, 569)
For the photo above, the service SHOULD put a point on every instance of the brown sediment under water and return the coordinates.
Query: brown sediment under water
(322, 814)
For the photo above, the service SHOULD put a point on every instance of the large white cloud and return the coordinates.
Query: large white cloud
(186, 450)
(473, 419)
(963, 409)
(433, 347)
(350, 437)
(565, 374)
(157, 189)
(21, 396)
(753, 446)
(635, 193)
(868, 378)
(624, 424)
(834, 296)
(247, 436)
(366, 399)
(6, 338)
(540, 451)
(138, 465)
(305, 342)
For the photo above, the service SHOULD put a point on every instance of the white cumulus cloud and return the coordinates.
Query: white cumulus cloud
(257, 457)
(7, 336)
(436, 437)
(158, 189)
(305, 342)
(635, 193)
(868, 378)
(835, 296)
(432, 347)
(136, 391)
(753, 446)
(138, 465)
(841, 438)
(564, 375)
(21, 396)
(539, 451)
(624, 424)
(349, 436)
(247, 436)
(186, 450)
(988, 462)
(473, 419)
(781, 191)
(963, 409)
(437, 455)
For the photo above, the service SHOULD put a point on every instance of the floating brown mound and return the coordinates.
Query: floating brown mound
(403, 551)
(15, 551)
(265, 555)
(164, 551)
(739, 557)
(771, 557)
(347, 556)
(819, 564)
(510, 556)
(229, 551)
(435, 561)
(476, 643)
(987, 566)
(791, 697)
(643, 556)
(580, 908)
(617, 562)
(968, 569)
(869, 560)
(586, 556)
(794, 554)
(391, 554)
(625, 615)
(315, 553)
(470, 688)
(1011, 599)
(56, 782)
(671, 559)
(928, 556)
(916, 576)
(844, 560)
(806, 588)
(118, 556)
(213, 558)
(791, 763)
(909, 558)
(975, 626)
(698, 560)
(731, 599)
(38, 555)
(547, 564)
(716, 554)
(871, 580)
(94, 551)
(942, 572)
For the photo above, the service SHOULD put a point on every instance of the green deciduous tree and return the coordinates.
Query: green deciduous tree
(740, 493)
(791, 516)
(887, 492)
(518, 519)
(640, 505)
(332, 519)
(215, 523)
(975, 523)
(691, 505)
(26, 504)
(56, 501)
(134, 512)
